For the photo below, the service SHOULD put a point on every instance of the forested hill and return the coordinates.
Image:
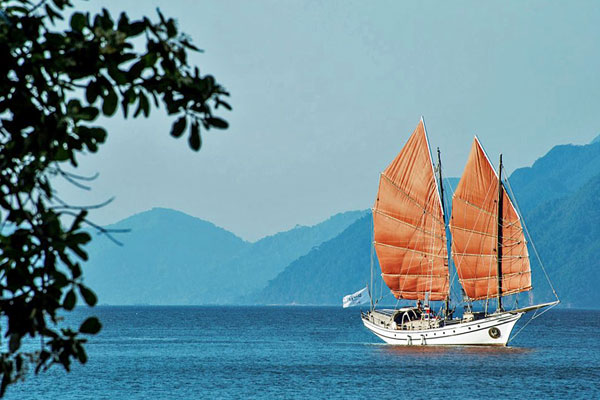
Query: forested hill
(169, 257)
(567, 235)
(161, 261)
(562, 171)
(251, 268)
(327, 273)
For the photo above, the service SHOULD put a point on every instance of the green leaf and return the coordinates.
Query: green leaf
(78, 22)
(171, 28)
(81, 354)
(70, 300)
(90, 326)
(194, 140)
(146, 106)
(88, 113)
(189, 45)
(143, 105)
(136, 28)
(217, 122)
(52, 14)
(88, 296)
(62, 154)
(178, 127)
(92, 92)
(110, 103)
(14, 342)
(136, 70)
(223, 103)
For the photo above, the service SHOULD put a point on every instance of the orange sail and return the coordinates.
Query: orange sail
(474, 228)
(408, 221)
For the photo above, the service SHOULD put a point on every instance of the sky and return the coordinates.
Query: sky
(326, 93)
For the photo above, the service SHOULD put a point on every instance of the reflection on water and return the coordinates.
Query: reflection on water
(436, 351)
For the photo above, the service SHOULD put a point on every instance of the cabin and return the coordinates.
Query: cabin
(406, 318)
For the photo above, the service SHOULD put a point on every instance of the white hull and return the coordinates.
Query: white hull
(476, 332)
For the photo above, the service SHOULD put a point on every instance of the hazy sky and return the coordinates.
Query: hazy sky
(325, 93)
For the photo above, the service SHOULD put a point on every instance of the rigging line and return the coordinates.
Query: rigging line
(410, 198)
(373, 245)
(508, 275)
(431, 262)
(460, 228)
(470, 235)
(508, 293)
(381, 288)
(491, 214)
(450, 186)
(448, 205)
(411, 250)
(418, 275)
(531, 240)
(401, 287)
(488, 255)
(432, 234)
(534, 316)
(372, 249)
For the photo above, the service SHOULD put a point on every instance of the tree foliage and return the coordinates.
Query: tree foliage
(61, 70)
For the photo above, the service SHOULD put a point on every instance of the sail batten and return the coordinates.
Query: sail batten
(475, 227)
(410, 198)
(416, 227)
(408, 221)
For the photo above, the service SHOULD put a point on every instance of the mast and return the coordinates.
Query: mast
(485, 228)
(447, 301)
(499, 242)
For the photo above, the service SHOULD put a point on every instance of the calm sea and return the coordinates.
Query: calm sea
(314, 352)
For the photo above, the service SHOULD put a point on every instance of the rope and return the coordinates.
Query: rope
(534, 316)
(372, 250)
(450, 258)
(421, 206)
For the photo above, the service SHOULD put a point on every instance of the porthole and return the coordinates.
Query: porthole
(494, 332)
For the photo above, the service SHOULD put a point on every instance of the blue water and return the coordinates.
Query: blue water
(313, 352)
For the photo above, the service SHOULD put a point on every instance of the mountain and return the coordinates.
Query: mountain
(252, 268)
(566, 233)
(327, 273)
(169, 257)
(562, 171)
(161, 261)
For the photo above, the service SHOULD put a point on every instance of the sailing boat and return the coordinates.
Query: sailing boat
(409, 236)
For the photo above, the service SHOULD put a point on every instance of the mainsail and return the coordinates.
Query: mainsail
(474, 227)
(408, 221)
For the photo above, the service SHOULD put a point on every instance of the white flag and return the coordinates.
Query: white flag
(360, 297)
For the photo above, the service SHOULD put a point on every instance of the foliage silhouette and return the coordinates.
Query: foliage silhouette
(57, 79)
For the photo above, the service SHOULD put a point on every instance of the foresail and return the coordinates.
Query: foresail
(408, 221)
(474, 228)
